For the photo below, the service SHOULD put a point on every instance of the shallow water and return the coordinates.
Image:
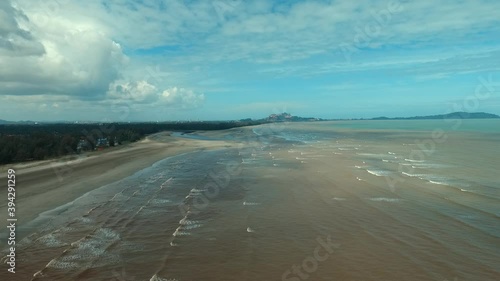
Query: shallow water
(308, 201)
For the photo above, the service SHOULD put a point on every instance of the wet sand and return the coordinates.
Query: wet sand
(45, 185)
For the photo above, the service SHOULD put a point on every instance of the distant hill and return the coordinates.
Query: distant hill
(454, 115)
(287, 117)
(5, 122)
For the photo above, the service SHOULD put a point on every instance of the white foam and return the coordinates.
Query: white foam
(413, 175)
(62, 264)
(51, 241)
(250, 230)
(165, 183)
(384, 199)
(147, 212)
(85, 220)
(38, 273)
(119, 197)
(107, 234)
(378, 173)
(373, 155)
(338, 199)
(64, 229)
(247, 161)
(438, 182)
(85, 251)
(191, 226)
(429, 166)
(25, 241)
(159, 201)
(178, 232)
(185, 221)
(251, 203)
(157, 278)
(414, 161)
(194, 192)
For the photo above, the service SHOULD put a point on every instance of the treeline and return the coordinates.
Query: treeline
(19, 143)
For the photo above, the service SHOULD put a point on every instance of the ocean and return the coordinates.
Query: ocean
(343, 200)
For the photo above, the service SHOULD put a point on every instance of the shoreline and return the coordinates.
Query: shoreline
(48, 184)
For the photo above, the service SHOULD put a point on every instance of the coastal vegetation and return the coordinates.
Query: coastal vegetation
(27, 142)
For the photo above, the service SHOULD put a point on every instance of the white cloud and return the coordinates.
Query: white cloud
(59, 48)
(142, 92)
(151, 23)
(15, 40)
(137, 92)
(183, 97)
(61, 57)
(275, 33)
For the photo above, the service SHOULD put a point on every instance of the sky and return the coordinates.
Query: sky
(158, 60)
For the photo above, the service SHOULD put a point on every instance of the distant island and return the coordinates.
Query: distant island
(454, 115)
(287, 117)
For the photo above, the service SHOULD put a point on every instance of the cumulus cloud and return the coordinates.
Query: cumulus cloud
(58, 48)
(183, 97)
(61, 57)
(14, 40)
(141, 92)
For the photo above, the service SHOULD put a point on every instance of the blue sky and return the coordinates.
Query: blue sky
(131, 60)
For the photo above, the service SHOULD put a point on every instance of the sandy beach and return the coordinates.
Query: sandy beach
(44, 185)
(295, 202)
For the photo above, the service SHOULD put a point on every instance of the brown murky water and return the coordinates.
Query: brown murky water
(295, 203)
